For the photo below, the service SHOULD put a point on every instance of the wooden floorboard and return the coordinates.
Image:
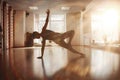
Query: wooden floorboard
(59, 64)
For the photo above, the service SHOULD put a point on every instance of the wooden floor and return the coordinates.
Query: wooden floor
(59, 64)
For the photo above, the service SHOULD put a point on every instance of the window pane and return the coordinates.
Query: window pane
(57, 26)
(42, 17)
(57, 17)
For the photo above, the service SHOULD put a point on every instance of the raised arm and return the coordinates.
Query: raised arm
(46, 22)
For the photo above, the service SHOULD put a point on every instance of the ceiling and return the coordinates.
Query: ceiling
(53, 5)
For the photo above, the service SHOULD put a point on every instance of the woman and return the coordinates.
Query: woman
(58, 38)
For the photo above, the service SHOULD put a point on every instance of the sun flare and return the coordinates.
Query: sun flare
(105, 24)
(110, 21)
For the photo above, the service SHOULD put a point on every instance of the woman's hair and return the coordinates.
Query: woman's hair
(36, 34)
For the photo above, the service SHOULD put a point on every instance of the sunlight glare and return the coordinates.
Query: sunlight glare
(110, 20)
(105, 25)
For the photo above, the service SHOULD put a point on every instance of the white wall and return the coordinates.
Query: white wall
(19, 29)
(30, 22)
(73, 23)
(81, 30)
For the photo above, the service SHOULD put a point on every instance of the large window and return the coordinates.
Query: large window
(105, 26)
(56, 23)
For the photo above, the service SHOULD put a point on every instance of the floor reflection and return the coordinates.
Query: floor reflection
(54, 59)
(61, 64)
(104, 64)
(76, 69)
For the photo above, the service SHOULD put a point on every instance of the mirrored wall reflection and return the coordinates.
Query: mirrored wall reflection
(55, 58)
(104, 64)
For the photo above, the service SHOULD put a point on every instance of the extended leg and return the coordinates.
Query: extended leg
(68, 34)
(69, 47)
